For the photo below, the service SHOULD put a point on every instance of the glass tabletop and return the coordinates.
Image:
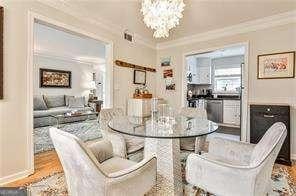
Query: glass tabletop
(177, 127)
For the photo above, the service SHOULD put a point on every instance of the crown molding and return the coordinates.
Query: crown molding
(83, 15)
(254, 25)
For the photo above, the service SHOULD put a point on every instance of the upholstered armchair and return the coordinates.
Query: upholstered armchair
(94, 170)
(124, 145)
(232, 168)
(193, 144)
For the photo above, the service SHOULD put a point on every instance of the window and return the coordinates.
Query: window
(227, 79)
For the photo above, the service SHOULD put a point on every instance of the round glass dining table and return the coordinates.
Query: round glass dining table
(162, 140)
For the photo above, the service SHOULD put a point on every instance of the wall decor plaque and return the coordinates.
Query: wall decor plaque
(52, 78)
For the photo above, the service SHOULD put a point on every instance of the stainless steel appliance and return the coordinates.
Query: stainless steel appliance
(214, 109)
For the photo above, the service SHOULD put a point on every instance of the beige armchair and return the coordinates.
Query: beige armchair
(193, 144)
(95, 171)
(124, 145)
(232, 168)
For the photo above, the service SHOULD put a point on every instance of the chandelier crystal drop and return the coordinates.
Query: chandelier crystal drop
(162, 15)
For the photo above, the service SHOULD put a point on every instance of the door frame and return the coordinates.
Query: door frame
(244, 99)
(32, 18)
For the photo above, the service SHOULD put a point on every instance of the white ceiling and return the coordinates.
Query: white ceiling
(199, 15)
(49, 41)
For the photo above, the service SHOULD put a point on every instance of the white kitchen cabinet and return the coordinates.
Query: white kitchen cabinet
(231, 112)
(199, 70)
(204, 73)
(192, 70)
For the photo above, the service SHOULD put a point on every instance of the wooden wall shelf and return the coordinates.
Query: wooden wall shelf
(129, 65)
(142, 96)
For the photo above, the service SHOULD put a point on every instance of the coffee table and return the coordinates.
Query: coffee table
(79, 116)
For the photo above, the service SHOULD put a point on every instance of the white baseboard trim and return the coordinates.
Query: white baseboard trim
(293, 156)
(14, 177)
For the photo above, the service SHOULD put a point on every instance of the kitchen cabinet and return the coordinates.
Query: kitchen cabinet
(199, 70)
(192, 75)
(204, 75)
(231, 112)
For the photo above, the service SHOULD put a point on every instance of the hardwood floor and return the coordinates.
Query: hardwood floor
(48, 163)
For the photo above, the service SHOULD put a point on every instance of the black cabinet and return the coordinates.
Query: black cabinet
(264, 116)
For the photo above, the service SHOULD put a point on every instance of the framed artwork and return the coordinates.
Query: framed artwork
(170, 84)
(165, 61)
(52, 78)
(168, 73)
(1, 53)
(276, 65)
(139, 77)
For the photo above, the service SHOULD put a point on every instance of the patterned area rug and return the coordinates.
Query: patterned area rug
(283, 184)
(85, 130)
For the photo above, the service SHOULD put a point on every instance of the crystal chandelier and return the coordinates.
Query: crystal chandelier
(162, 15)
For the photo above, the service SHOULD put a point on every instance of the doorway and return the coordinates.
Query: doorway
(100, 80)
(216, 79)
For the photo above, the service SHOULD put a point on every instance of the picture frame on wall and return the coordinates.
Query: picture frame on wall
(170, 84)
(276, 65)
(168, 73)
(165, 62)
(53, 78)
(139, 77)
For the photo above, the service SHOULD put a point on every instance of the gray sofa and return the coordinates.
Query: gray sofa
(46, 106)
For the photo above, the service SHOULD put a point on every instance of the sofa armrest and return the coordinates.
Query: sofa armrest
(231, 150)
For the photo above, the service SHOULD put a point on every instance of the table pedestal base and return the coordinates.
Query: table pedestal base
(169, 176)
(199, 144)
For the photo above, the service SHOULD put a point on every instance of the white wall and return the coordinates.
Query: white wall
(81, 76)
(276, 39)
(14, 146)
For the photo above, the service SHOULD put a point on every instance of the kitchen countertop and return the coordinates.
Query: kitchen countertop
(211, 98)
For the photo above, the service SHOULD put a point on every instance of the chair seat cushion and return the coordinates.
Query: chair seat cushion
(133, 144)
(223, 160)
(116, 164)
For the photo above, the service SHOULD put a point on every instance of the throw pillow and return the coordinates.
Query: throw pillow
(53, 101)
(76, 102)
(67, 97)
(102, 150)
(39, 103)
